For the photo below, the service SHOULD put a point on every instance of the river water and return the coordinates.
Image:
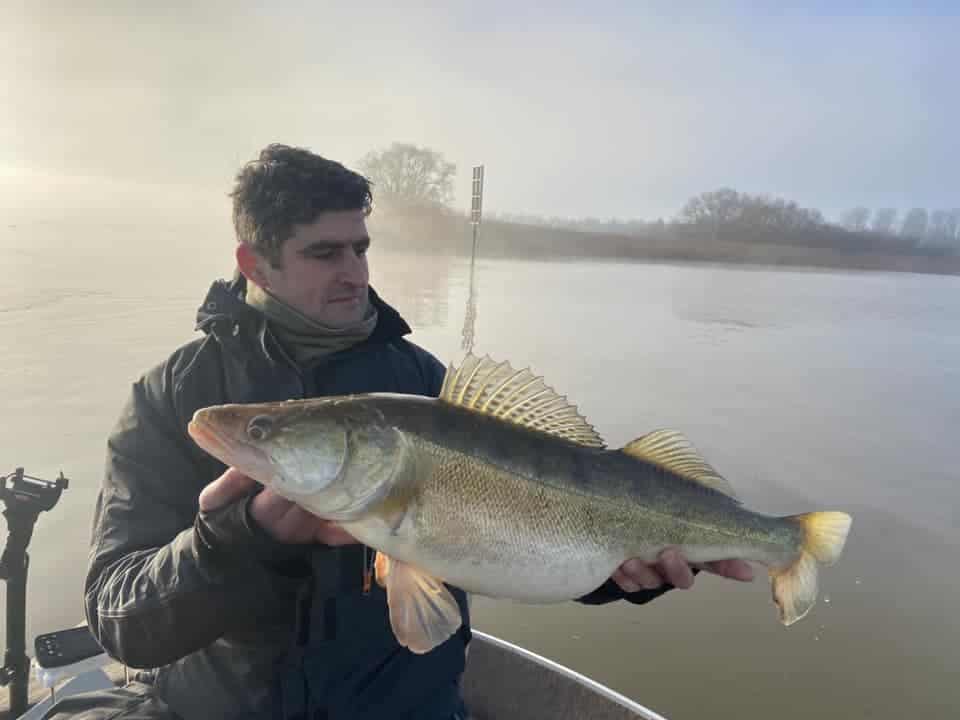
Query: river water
(807, 390)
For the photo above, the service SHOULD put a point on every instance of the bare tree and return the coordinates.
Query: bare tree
(856, 219)
(884, 220)
(953, 227)
(713, 208)
(915, 224)
(938, 230)
(726, 207)
(410, 174)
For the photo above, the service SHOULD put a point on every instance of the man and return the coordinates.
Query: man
(239, 603)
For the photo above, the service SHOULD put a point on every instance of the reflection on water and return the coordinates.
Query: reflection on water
(417, 285)
(470, 313)
(807, 390)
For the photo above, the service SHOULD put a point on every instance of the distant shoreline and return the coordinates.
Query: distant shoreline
(500, 240)
(758, 266)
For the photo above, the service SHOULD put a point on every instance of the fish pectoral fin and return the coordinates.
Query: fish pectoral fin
(423, 612)
(673, 451)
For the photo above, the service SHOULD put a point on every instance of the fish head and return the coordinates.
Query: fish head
(327, 454)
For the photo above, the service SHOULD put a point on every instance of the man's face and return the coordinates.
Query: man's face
(324, 271)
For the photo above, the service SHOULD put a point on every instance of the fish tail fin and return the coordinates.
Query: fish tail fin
(795, 585)
(824, 534)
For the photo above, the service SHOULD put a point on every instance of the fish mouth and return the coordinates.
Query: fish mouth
(209, 439)
(223, 447)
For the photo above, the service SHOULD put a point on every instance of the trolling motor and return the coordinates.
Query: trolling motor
(25, 498)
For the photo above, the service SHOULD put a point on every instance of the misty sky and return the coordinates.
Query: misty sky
(603, 108)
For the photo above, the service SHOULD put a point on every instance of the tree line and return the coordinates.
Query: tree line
(935, 227)
(408, 176)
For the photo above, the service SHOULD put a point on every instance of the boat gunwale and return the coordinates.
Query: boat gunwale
(553, 665)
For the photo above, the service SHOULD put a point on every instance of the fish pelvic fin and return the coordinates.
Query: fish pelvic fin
(794, 587)
(520, 397)
(423, 612)
(381, 568)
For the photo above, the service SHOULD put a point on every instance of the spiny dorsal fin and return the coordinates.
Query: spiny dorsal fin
(671, 450)
(516, 396)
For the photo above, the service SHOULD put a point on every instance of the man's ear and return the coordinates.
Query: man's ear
(250, 264)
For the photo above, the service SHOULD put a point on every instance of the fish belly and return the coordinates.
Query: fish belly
(493, 532)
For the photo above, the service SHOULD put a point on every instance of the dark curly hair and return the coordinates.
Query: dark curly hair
(287, 186)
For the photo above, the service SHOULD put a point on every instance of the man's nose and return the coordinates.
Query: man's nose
(352, 269)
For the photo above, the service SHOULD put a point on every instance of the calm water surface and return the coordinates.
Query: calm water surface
(807, 390)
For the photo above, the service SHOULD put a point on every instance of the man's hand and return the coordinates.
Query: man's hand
(282, 519)
(671, 567)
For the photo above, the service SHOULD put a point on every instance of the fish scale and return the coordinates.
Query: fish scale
(480, 515)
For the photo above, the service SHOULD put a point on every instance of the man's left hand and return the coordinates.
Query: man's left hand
(672, 567)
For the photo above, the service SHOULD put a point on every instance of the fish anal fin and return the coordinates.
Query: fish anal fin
(517, 396)
(672, 451)
(794, 588)
(423, 612)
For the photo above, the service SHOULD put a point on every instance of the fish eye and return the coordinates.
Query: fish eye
(260, 427)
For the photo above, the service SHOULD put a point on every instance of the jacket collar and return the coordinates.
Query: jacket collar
(225, 313)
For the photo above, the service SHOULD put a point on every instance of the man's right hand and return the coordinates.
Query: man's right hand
(282, 519)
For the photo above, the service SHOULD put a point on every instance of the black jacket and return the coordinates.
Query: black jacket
(230, 623)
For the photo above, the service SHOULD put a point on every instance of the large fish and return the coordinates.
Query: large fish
(500, 487)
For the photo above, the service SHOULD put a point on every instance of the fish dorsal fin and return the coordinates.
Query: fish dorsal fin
(671, 450)
(517, 396)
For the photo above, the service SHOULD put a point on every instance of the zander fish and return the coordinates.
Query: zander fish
(500, 487)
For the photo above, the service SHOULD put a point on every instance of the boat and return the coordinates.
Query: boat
(502, 681)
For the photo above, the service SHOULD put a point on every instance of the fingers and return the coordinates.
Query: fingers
(280, 518)
(732, 569)
(225, 489)
(636, 575)
(268, 509)
(330, 533)
(626, 583)
(291, 524)
(288, 522)
(673, 566)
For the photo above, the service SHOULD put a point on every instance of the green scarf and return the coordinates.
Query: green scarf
(307, 340)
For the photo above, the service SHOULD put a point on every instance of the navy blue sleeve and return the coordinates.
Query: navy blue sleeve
(611, 592)
(431, 370)
(435, 375)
